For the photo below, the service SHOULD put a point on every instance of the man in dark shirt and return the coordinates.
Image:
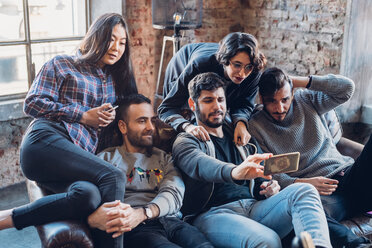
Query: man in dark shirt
(228, 206)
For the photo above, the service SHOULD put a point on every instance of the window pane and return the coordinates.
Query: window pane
(43, 52)
(11, 20)
(56, 18)
(13, 72)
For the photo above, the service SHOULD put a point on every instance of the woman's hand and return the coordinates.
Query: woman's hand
(198, 131)
(100, 116)
(241, 135)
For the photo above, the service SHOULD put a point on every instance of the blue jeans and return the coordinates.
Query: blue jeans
(166, 232)
(351, 198)
(252, 223)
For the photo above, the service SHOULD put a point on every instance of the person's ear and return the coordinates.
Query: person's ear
(122, 127)
(191, 104)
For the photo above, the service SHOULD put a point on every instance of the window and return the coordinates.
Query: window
(32, 32)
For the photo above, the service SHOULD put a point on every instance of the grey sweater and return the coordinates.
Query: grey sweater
(150, 179)
(304, 129)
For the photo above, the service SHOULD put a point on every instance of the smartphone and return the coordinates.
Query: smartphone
(114, 107)
(283, 163)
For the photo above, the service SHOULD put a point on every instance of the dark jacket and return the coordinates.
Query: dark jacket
(201, 170)
(191, 60)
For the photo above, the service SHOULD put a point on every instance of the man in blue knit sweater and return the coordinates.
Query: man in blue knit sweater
(294, 122)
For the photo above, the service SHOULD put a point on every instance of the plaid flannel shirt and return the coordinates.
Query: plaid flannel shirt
(62, 91)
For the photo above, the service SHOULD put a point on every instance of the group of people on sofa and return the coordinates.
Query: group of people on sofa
(212, 191)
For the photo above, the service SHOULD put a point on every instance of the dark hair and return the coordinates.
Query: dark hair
(126, 102)
(111, 135)
(236, 42)
(95, 45)
(272, 80)
(204, 81)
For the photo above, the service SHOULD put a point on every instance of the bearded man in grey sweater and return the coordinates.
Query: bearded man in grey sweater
(294, 122)
(154, 190)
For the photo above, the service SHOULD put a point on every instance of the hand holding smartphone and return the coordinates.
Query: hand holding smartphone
(283, 163)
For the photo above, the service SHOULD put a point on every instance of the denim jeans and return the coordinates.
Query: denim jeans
(49, 157)
(166, 232)
(352, 197)
(251, 223)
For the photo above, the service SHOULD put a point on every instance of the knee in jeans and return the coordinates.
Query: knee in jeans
(85, 196)
(120, 176)
(305, 190)
(269, 239)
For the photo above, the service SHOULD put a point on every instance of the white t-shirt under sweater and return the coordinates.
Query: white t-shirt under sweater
(150, 179)
(304, 129)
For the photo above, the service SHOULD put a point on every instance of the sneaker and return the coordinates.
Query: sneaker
(304, 240)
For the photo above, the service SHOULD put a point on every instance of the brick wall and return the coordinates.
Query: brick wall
(10, 139)
(303, 37)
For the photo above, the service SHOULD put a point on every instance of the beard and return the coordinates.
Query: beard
(204, 119)
(138, 139)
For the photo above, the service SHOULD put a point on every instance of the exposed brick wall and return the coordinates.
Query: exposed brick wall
(303, 37)
(144, 40)
(10, 139)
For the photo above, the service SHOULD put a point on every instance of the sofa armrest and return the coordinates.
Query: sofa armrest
(66, 234)
(349, 148)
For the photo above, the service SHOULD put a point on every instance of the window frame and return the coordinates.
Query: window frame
(28, 42)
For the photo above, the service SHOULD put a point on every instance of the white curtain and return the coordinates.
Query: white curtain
(357, 61)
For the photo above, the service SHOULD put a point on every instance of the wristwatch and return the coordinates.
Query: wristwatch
(148, 212)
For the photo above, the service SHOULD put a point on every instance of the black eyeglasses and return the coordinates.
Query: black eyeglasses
(238, 67)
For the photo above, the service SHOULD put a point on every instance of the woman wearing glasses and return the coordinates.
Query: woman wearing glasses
(237, 59)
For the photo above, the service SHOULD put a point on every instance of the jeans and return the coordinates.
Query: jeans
(350, 198)
(251, 223)
(49, 157)
(166, 232)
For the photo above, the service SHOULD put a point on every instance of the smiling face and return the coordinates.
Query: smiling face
(278, 105)
(239, 68)
(139, 128)
(116, 48)
(211, 108)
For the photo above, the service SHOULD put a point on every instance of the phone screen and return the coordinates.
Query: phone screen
(282, 163)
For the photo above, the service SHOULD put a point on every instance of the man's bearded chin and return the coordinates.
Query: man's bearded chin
(206, 120)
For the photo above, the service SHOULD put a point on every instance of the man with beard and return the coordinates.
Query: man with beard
(154, 188)
(222, 198)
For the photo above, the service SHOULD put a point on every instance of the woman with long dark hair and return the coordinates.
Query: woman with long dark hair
(71, 99)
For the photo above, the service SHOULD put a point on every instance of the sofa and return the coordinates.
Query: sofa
(76, 234)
